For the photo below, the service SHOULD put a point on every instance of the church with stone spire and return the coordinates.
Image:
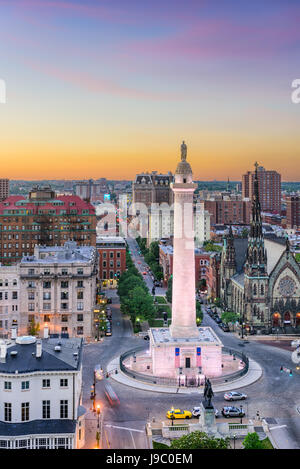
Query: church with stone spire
(260, 278)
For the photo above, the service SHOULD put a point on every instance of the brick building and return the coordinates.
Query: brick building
(292, 211)
(269, 187)
(43, 218)
(228, 211)
(112, 259)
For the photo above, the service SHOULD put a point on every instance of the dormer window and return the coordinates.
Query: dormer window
(184, 180)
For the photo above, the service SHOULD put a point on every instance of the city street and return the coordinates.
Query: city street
(275, 396)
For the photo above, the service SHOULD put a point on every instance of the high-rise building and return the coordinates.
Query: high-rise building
(292, 211)
(269, 186)
(4, 189)
(43, 218)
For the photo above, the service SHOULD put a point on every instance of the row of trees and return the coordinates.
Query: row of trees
(135, 298)
(151, 256)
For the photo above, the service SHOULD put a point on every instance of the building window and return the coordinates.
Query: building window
(64, 318)
(80, 295)
(64, 306)
(46, 284)
(79, 271)
(80, 330)
(25, 411)
(46, 409)
(64, 272)
(79, 317)
(64, 295)
(79, 306)
(47, 296)
(47, 306)
(30, 295)
(46, 383)
(25, 385)
(7, 411)
(7, 385)
(64, 284)
(30, 306)
(14, 295)
(80, 284)
(63, 383)
(64, 409)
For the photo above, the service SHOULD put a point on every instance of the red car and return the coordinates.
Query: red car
(144, 273)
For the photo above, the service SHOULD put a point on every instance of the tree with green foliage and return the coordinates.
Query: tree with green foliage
(128, 283)
(244, 233)
(210, 246)
(138, 303)
(252, 441)
(199, 313)
(169, 290)
(229, 316)
(33, 327)
(200, 440)
(297, 257)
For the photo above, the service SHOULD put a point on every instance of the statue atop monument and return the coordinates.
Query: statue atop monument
(183, 151)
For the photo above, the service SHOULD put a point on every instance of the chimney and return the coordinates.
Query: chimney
(3, 351)
(13, 333)
(38, 352)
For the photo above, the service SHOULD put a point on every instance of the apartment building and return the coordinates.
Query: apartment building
(58, 289)
(40, 394)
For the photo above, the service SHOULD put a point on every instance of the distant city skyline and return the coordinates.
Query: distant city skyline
(113, 89)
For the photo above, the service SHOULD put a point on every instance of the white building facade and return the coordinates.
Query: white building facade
(58, 290)
(40, 397)
(9, 298)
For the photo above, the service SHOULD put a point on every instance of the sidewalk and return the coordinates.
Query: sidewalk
(253, 374)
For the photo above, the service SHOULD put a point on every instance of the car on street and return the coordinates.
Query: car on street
(218, 320)
(178, 414)
(146, 337)
(196, 412)
(144, 273)
(232, 412)
(224, 327)
(235, 396)
(111, 395)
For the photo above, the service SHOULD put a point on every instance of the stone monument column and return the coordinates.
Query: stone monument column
(183, 323)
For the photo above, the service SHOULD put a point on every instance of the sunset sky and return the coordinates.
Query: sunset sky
(109, 88)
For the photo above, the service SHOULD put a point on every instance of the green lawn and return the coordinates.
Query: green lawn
(157, 445)
(267, 444)
(163, 308)
(161, 299)
(156, 322)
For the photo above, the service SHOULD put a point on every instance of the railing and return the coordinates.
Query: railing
(176, 381)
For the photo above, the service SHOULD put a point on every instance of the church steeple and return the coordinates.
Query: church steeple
(256, 254)
(256, 222)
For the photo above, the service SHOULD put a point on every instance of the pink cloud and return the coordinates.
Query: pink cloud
(98, 85)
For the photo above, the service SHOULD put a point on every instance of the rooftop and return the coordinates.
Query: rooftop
(206, 336)
(69, 253)
(68, 358)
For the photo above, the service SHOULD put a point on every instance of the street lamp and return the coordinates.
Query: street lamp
(241, 413)
(234, 437)
(98, 426)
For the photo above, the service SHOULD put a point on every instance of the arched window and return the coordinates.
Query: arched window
(254, 289)
(262, 290)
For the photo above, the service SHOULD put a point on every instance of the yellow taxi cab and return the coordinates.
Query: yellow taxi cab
(179, 414)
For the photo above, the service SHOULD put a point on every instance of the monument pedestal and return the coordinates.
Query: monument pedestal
(207, 419)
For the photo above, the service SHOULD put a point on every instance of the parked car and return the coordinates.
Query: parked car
(218, 320)
(144, 273)
(108, 300)
(146, 337)
(234, 396)
(196, 412)
(232, 412)
(224, 327)
(178, 414)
